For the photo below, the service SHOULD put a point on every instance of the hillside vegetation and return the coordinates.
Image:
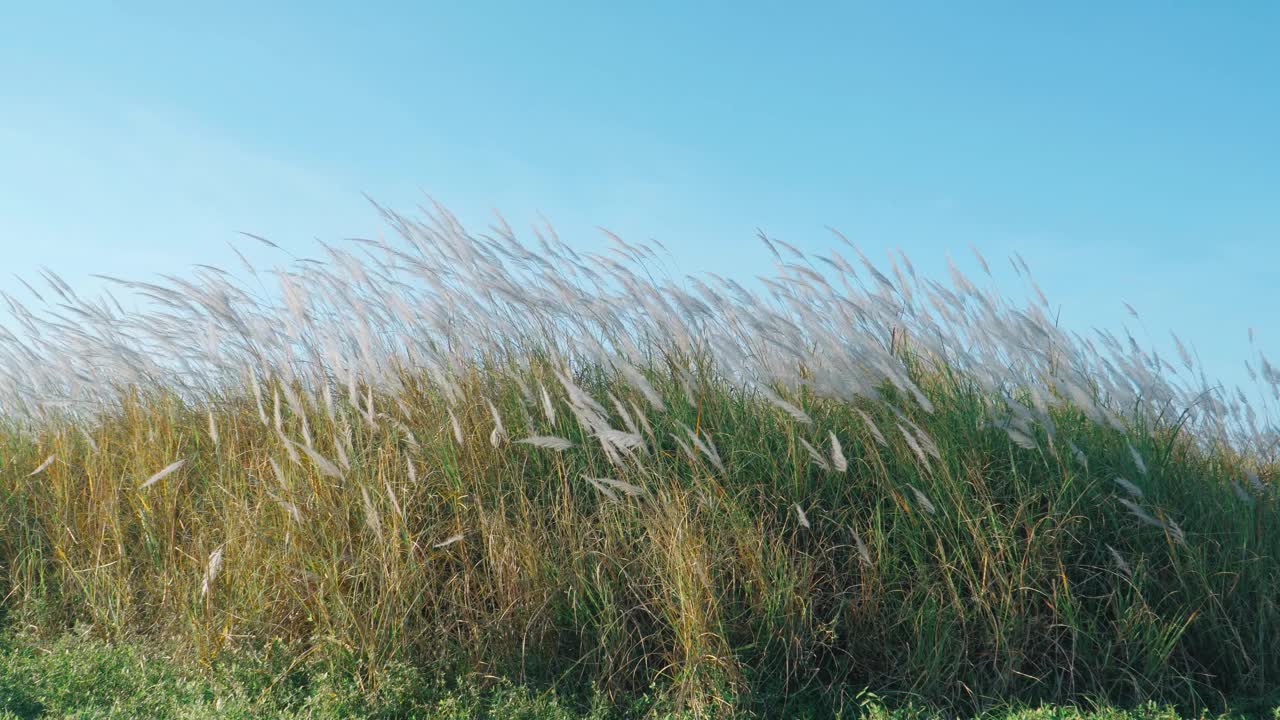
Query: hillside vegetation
(478, 458)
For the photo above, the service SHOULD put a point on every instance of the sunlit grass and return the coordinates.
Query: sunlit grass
(705, 532)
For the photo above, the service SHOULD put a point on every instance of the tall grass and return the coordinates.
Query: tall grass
(478, 456)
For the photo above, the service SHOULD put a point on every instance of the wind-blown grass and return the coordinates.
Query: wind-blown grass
(472, 456)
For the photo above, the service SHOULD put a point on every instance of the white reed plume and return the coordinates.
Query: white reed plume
(871, 427)
(213, 428)
(1255, 482)
(1079, 455)
(371, 513)
(638, 381)
(862, 546)
(838, 460)
(915, 448)
(1137, 459)
(1129, 487)
(796, 413)
(804, 519)
(1021, 439)
(1241, 494)
(499, 433)
(457, 428)
(603, 488)
(325, 465)
(211, 572)
(1137, 511)
(1120, 561)
(341, 450)
(814, 456)
(448, 541)
(290, 508)
(163, 473)
(42, 466)
(625, 488)
(548, 409)
(921, 498)
(550, 442)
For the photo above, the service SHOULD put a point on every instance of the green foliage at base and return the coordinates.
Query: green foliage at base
(83, 678)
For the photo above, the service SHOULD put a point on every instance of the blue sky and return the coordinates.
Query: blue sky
(1127, 150)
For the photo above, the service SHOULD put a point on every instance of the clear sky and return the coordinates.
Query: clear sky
(1130, 151)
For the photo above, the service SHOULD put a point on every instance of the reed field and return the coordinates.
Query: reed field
(474, 460)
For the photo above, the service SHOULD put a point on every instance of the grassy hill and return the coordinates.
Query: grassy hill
(459, 468)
